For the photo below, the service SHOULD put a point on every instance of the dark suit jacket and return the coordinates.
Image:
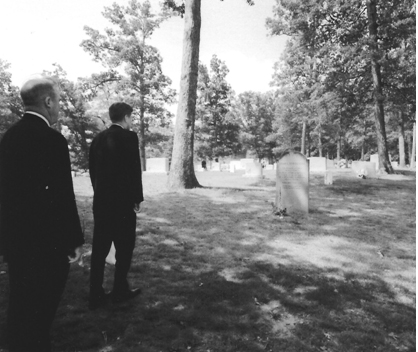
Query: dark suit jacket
(38, 212)
(115, 171)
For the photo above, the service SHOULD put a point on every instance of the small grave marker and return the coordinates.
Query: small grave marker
(328, 178)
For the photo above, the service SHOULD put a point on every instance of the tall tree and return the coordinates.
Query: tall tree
(360, 34)
(256, 112)
(377, 84)
(182, 173)
(125, 47)
(217, 130)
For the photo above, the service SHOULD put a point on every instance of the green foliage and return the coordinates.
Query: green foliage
(256, 113)
(11, 107)
(179, 7)
(76, 122)
(217, 129)
(327, 65)
(159, 142)
(132, 65)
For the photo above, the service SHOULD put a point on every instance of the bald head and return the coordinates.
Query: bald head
(42, 95)
(35, 91)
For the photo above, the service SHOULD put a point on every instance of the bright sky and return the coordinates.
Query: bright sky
(38, 33)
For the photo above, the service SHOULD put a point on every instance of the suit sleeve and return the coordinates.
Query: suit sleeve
(3, 228)
(137, 172)
(92, 163)
(66, 203)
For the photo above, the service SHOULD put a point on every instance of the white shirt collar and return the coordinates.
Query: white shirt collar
(39, 115)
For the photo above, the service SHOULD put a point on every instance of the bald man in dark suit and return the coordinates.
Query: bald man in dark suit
(40, 232)
(115, 172)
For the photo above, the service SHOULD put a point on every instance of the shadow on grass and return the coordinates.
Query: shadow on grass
(220, 273)
(263, 308)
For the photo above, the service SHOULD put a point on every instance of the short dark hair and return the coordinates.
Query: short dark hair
(33, 94)
(118, 111)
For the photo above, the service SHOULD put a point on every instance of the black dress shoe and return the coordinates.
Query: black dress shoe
(99, 301)
(126, 295)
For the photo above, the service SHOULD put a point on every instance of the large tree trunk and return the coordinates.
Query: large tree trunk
(182, 173)
(401, 140)
(378, 94)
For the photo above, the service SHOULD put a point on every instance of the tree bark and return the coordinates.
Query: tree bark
(309, 142)
(363, 142)
(401, 141)
(182, 173)
(378, 93)
(362, 152)
(414, 144)
(339, 148)
(142, 138)
(142, 113)
(320, 143)
(302, 143)
(409, 147)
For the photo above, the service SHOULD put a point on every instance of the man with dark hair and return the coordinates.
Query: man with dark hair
(118, 111)
(40, 232)
(115, 172)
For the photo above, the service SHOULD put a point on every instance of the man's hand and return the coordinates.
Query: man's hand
(137, 207)
(77, 255)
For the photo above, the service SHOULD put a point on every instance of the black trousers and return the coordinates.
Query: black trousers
(36, 287)
(119, 229)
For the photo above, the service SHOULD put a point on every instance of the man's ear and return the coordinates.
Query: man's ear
(48, 101)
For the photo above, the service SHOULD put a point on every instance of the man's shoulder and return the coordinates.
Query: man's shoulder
(36, 130)
(117, 134)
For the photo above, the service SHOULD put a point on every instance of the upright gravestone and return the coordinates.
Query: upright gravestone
(374, 158)
(157, 165)
(292, 183)
(253, 169)
(215, 166)
(330, 164)
(235, 165)
(245, 161)
(317, 164)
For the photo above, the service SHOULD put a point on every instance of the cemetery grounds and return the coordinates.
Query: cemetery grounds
(220, 272)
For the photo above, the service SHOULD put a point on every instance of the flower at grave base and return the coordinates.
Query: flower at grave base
(278, 211)
(362, 173)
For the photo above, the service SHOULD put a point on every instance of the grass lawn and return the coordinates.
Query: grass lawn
(220, 272)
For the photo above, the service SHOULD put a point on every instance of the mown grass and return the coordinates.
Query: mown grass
(220, 272)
